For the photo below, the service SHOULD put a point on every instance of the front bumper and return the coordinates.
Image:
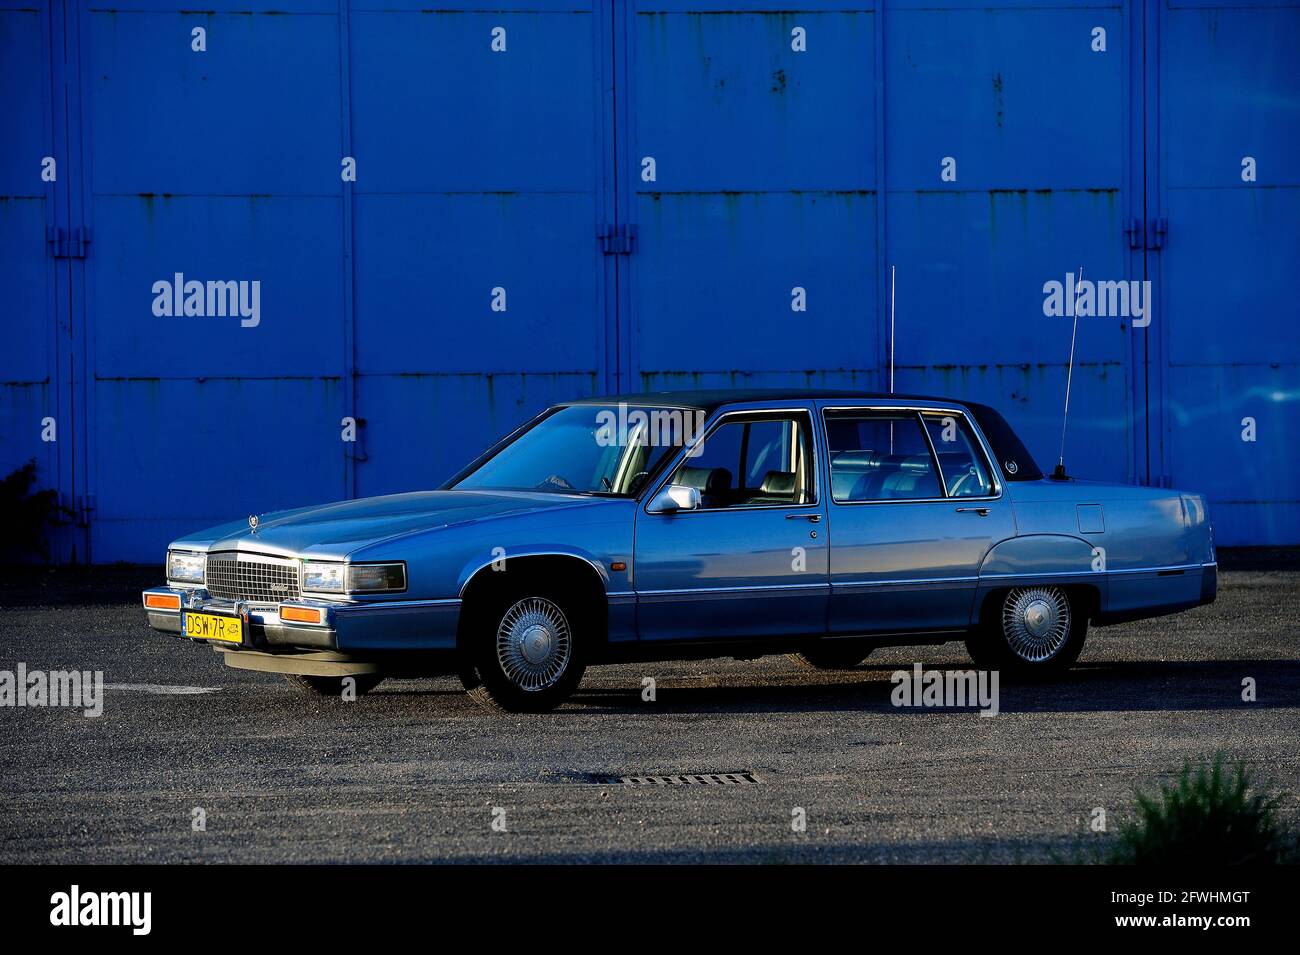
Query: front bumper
(350, 626)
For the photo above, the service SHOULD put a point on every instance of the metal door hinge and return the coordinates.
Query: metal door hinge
(76, 510)
(1148, 235)
(63, 246)
(1133, 229)
(618, 240)
(1156, 230)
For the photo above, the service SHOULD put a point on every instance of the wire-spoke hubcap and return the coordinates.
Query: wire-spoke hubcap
(1036, 622)
(534, 644)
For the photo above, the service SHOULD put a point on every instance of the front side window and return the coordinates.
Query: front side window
(752, 462)
(965, 473)
(879, 456)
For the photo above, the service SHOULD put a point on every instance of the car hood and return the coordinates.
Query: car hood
(334, 530)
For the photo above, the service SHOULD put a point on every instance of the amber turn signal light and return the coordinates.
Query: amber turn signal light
(163, 601)
(300, 614)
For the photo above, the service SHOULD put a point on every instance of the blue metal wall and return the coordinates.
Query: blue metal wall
(1228, 80)
(526, 170)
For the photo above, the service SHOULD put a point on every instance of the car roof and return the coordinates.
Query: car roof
(709, 400)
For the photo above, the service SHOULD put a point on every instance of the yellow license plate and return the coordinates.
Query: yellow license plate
(208, 626)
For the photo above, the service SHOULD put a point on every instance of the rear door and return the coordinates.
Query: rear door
(913, 507)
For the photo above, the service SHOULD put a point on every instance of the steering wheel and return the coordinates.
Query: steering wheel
(556, 480)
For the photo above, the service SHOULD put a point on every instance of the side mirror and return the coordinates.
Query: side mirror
(674, 497)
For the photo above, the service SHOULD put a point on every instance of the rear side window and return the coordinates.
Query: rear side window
(961, 462)
(879, 456)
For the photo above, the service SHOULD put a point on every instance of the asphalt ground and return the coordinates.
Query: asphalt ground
(416, 772)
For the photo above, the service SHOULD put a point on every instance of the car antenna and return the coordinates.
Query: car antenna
(1059, 473)
(893, 269)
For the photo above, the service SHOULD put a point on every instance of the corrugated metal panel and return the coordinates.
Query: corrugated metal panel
(215, 166)
(1228, 269)
(1038, 125)
(770, 163)
(482, 170)
(746, 204)
(30, 359)
(774, 168)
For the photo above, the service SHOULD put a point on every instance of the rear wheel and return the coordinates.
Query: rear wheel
(1031, 632)
(333, 685)
(525, 653)
(832, 655)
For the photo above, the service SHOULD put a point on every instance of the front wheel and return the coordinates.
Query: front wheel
(1031, 632)
(529, 661)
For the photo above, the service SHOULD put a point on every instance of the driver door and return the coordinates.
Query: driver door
(751, 561)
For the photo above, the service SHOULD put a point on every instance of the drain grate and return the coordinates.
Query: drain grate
(686, 779)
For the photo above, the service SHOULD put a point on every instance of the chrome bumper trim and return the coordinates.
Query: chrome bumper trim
(386, 625)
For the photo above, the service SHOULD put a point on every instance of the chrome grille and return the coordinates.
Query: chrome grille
(248, 577)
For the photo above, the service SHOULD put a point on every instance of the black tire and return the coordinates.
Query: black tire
(832, 655)
(523, 652)
(1030, 633)
(333, 685)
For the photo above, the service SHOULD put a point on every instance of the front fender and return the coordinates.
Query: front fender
(499, 559)
(440, 561)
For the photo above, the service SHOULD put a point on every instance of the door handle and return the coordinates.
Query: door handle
(981, 511)
(804, 517)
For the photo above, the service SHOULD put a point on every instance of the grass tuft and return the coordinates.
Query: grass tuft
(1209, 816)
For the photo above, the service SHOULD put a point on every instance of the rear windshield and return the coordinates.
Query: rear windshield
(1013, 457)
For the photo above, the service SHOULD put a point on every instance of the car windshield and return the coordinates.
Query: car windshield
(588, 449)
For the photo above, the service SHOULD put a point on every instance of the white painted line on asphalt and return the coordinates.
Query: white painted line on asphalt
(160, 690)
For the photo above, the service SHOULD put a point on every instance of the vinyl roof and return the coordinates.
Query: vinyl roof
(711, 399)
(1016, 463)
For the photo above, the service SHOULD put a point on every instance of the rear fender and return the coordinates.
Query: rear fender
(1043, 558)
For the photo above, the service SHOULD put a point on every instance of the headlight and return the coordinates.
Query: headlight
(376, 578)
(185, 567)
(323, 578)
(332, 577)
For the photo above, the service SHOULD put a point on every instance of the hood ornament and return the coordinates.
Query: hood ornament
(252, 523)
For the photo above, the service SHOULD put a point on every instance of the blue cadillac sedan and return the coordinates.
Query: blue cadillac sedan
(822, 524)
